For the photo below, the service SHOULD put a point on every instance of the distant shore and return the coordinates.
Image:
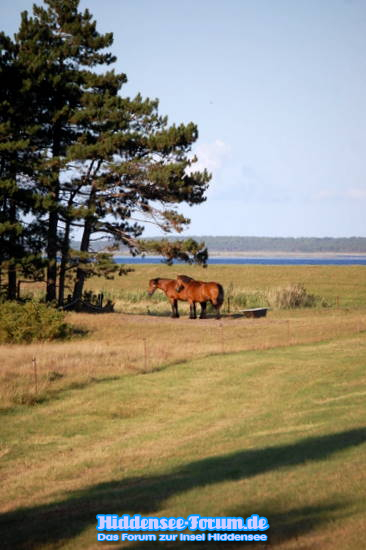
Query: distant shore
(263, 254)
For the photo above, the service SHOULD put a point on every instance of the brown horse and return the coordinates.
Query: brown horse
(199, 291)
(169, 287)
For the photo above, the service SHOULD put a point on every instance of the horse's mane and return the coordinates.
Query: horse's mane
(157, 279)
(185, 278)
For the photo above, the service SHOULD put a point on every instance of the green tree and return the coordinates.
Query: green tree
(20, 242)
(135, 169)
(104, 164)
(57, 46)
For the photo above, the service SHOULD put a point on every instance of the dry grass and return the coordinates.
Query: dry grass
(345, 285)
(119, 345)
(169, 422)
(123, 344)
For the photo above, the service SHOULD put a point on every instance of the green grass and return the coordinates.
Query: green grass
(278, 432)
(344, 286)
(276, 428)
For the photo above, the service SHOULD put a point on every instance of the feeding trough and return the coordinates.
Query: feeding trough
(255, 312)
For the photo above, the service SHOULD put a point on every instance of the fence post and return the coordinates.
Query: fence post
(288, 332)
(34, 363)
(145, 354)
(222, 338)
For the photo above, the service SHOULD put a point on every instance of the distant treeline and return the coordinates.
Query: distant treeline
(276, 244)
(284, 244)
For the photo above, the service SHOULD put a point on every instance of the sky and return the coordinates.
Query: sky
(278, 91)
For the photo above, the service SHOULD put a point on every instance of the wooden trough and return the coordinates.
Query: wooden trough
(255, 312)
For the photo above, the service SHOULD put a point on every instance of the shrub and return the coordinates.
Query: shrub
(291, 297)
(32, 321)
(246, 300)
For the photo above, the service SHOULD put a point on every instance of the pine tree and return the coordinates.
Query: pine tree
(134, 167)
(104, 163)
(20, 242)
(55, 46)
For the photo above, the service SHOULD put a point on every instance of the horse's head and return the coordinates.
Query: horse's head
(153, 285)
(182, 282)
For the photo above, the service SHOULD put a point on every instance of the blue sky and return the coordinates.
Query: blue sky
(278, 91)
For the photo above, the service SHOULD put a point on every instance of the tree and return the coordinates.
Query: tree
(134, 167)
(20, 242)
(105, 164)
(55, 45)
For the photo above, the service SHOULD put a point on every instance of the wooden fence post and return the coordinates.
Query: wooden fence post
(34, 363)
(145, 354)
(222, 338)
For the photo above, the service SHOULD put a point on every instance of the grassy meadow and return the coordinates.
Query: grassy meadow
(140, 413)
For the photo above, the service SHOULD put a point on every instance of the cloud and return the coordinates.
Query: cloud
(354, 193)
(357, 193)
(211, 156)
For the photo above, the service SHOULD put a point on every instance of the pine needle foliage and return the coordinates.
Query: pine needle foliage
(102, 163)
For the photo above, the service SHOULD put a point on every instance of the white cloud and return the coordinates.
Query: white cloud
(354, 193)
(325, 194)
(357, 193)
(211, 156)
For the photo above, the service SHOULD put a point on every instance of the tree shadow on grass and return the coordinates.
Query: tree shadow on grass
(30, 528)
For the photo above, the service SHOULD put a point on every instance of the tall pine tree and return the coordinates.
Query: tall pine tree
(134, 167)
(105, 164)
(56, 45)
(20, 241)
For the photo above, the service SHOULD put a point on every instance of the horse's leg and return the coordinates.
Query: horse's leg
(217, 307)
(203, 310)
(192, 310)
(174, 308)
(218, 315)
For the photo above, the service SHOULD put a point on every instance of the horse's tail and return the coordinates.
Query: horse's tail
(220, 296)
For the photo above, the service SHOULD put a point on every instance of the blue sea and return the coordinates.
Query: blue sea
(328, 260)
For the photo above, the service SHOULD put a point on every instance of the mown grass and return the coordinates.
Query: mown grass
(118, 345)
(278, 432)
(145, 414)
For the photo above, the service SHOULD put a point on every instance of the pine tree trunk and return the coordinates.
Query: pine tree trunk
(80, 273)
(63, 264)
(52, 248)
(52, 241)
(12, 282)
(84, 246)
(12, 273)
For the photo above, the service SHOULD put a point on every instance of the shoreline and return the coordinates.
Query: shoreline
(264, 254)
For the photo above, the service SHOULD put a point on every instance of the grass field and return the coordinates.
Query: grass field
(343, 285)
(145, 415)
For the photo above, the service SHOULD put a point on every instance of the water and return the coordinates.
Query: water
(329, 260)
